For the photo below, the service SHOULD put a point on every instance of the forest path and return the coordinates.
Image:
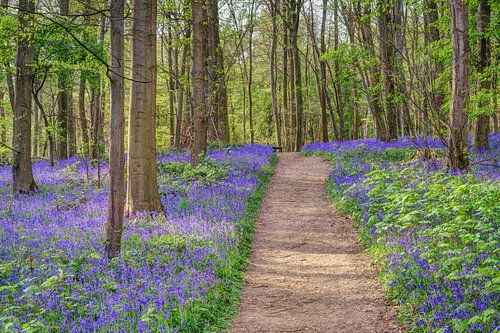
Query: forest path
(307, 273)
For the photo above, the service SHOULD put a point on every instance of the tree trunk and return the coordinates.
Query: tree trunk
(62, 100)
(399, 51)
(3, 119)
(83, 118)
(296, 7)
(435, 99)
(216, 83)
(274, 101)
(142, 189)
(36, 131)
(373, 94)
(322, 64)
(285, 106)
(114, 226)
(387, 56)
(482, 123)
(180, 93)
(22, 173)
(199, 145)
(337, 83)
(460, 88)
(171, 86)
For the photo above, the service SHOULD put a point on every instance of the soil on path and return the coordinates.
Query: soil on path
(307, 273)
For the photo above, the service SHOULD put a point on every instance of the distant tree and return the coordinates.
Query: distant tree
(482, 122)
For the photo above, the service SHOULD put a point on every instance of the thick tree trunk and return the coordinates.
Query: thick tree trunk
(199, 145)
(142, 189)
(114, 226)
(22, 173)
(482, 123)
(460, 88)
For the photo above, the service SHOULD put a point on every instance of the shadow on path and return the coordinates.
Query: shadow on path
(307, 272)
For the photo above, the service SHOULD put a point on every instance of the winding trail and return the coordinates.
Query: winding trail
(307, 273)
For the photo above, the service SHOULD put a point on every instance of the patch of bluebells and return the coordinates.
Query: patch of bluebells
(437, 234)
(175, 265)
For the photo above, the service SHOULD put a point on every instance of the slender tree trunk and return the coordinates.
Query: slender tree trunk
(181, 93)
(435, 97)
(299, 103)
(274, 101)
(338, 83)
(386, 29)
(83, 118)
(199, 145)
(355, 129)
(285, 106)
(3, 119)
(482, 122)
(22, 173)
(460, 87)
(62, 100)
(142, 189)
(322, 64)
(216, 83)
(114, 226)
(171, 86)
(9, 79)
(399, 46)
(373, 94)
(36, 130)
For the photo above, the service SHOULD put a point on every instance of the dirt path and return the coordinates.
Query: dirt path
(307, 272)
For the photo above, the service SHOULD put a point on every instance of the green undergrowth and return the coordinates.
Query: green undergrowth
(434, 235)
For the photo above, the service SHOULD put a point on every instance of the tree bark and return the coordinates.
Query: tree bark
(83, 118)
(22, 173)
(142, 189)
(337, 84)
(216, 85)
(373, 94)
(296, 6)
(199, 145)
(62, 100)
(482, 122)
(386, 30)
(460, 88)
(114, 226)
(180, 93)
(274, 100)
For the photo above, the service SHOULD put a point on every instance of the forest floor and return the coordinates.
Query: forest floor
(307, 272)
